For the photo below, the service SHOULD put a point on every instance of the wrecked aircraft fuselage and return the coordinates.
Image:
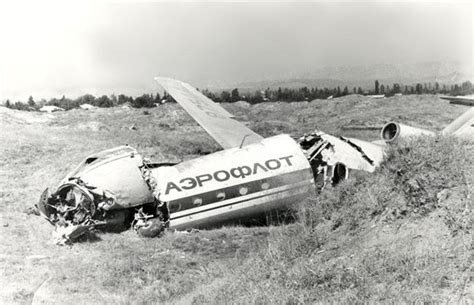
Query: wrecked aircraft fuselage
(116, 188)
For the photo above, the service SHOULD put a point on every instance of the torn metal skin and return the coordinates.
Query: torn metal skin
(331, 157)
(109, 190)
(317, 149)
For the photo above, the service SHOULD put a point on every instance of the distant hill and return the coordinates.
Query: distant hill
(444, 72)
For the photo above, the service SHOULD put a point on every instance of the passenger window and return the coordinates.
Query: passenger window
(175, 207)
(220, 196)
(197, 202)
(265, 186)
(243, 190)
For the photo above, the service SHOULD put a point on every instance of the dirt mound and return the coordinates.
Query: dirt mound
(13, 116)
(242, 104)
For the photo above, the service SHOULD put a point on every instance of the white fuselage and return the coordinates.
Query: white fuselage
(235, 183)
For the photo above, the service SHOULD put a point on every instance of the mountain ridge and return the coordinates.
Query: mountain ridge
(443, 72)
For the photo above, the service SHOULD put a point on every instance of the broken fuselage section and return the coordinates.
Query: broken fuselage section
(117, 188)
(109, 190)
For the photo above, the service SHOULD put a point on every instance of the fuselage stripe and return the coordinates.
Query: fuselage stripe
(301, 186)
(239, 190)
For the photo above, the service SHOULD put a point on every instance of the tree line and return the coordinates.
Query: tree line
(305, 93)
(259, 96)
(104, 101)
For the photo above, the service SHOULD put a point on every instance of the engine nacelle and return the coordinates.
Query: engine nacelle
(393, 131)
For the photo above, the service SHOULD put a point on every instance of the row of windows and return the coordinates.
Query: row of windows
(221, 196)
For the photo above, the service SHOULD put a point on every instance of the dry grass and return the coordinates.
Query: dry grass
(372, 239)
(358, 242)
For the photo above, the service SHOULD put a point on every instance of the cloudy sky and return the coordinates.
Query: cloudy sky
(54, 48)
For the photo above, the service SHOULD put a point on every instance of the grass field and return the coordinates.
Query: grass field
(401, 234)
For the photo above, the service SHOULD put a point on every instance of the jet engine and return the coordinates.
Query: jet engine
(393, 131)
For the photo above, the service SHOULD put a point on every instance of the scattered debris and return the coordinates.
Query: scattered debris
(31, 211)
(67, 233)
(133, 127)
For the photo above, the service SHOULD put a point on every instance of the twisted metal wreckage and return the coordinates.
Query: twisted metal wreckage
(251, 176)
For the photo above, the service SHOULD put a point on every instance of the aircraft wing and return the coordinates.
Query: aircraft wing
(460, 100)
(217, 122)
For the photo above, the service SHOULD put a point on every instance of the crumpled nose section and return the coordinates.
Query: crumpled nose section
(121, 178)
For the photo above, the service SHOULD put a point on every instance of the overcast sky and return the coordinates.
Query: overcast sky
(53, 48)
